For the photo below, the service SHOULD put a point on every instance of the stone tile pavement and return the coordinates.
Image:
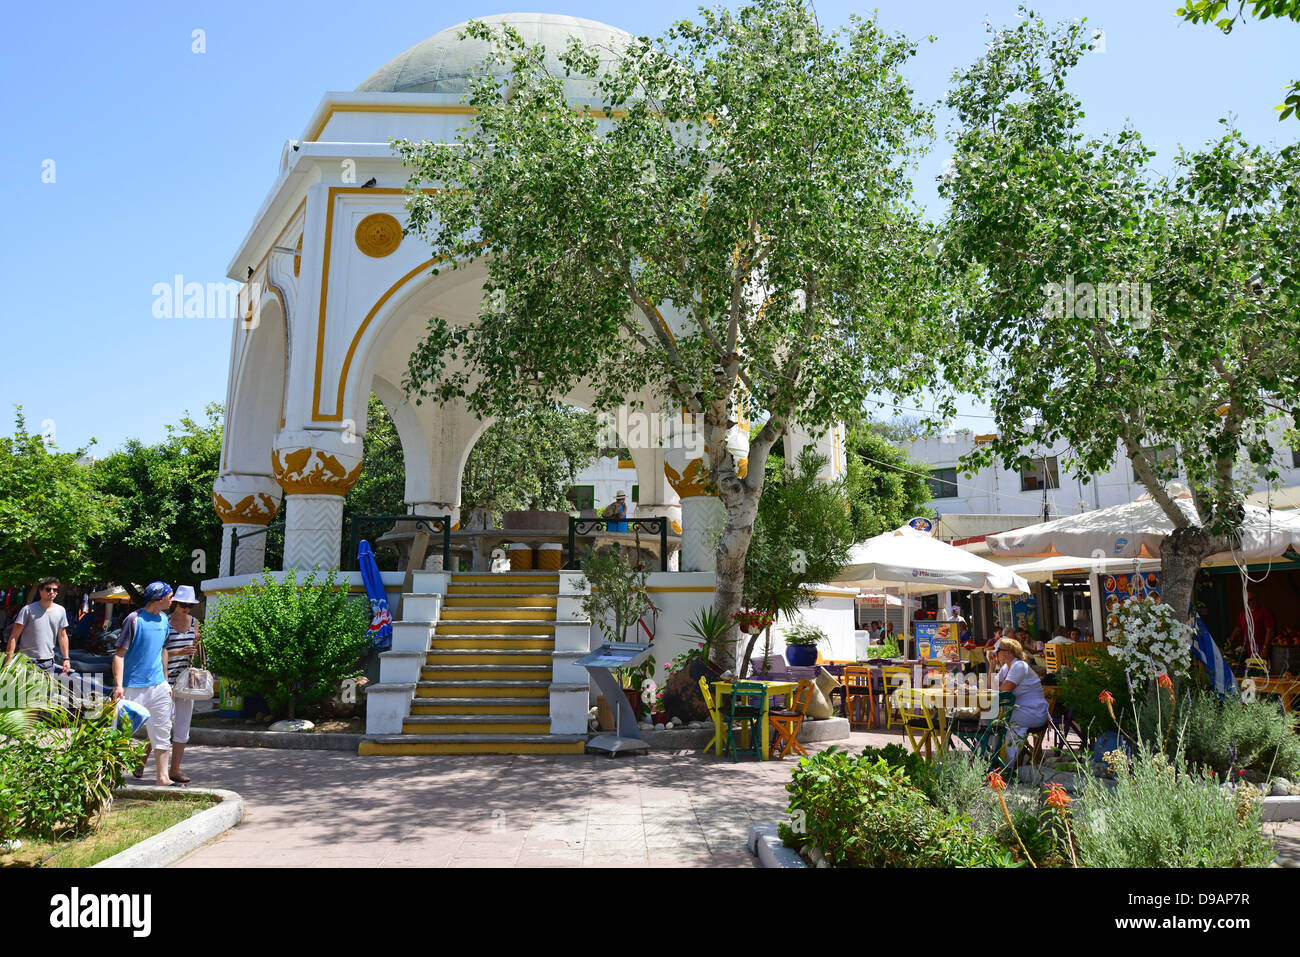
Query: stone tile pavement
(334, 809)
(666, 809)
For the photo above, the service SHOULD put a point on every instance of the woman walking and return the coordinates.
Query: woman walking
(182, 646)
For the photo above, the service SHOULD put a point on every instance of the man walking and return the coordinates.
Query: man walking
(140, 673)
(39, 626)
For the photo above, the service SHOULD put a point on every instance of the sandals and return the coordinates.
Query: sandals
(179, 778)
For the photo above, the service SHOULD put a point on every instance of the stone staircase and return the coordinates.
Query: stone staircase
(479, 664)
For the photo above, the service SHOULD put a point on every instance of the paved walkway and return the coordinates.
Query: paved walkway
(334, 809)
(666, 809)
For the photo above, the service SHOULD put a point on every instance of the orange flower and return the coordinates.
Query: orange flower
(1057, 798)
(995, 781)
(1106, 697)
(1165, 681)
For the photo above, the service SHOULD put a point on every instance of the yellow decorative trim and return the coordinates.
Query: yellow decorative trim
(677, 526)
(453, 109)
(378, 235)
(626, 464)
(256, 509)
(297, 258)
(308, 471)
(742, 467)
(691, 483)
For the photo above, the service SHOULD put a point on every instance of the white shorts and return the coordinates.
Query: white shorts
(182, 712)
(158, 699)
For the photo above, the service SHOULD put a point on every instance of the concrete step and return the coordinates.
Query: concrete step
(503, 578)
(488, 656)
(473, 744)
(497, 642)
(495, 600)
(496, 688)
(485, 672)
(497, 613)
(490, 592)
(496, 626)
(477, 724)
(485, 705)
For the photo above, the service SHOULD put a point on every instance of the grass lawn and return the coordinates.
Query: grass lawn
(129, 821)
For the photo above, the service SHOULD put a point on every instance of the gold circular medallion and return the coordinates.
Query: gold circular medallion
(379, 235)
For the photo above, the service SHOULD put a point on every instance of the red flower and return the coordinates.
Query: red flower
(1165, 681)
(1057, 798)
(995, 781)
(1106, 697)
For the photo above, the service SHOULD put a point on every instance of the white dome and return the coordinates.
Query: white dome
(443, 63)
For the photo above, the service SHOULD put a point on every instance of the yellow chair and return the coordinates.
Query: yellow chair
(918, 720)
(713, 716)
(859, 697)
(892, 678)
(1049, 652)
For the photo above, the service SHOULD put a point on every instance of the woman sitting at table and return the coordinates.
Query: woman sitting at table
(1030, 712)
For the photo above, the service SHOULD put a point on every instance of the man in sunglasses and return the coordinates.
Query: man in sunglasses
(39, 627)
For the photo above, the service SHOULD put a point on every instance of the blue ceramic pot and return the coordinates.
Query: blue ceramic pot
(801, 656)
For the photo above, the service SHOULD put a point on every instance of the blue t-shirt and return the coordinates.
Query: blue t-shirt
(143, 636)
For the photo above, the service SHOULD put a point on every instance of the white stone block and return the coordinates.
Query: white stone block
(412, 635)
(400, 667)
(388, 707)
(430, 583)
(569, 709)
(572, 636)
(420, 607)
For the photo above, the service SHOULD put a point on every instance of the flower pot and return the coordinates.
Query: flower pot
(660, 718)
(801, 656)
(634, 699)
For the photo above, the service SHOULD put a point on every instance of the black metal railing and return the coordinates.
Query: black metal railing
(589, 526)
(365, 526)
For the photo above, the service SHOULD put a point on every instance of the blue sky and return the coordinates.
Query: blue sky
(162, 156)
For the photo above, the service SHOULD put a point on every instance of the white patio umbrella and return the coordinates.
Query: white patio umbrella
(918, 562)
(1135, 530)
(1044, 569)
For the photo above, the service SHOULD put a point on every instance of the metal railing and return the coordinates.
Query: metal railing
(364, 526)
(588, 526)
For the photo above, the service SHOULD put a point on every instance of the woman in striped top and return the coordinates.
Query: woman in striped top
(182, 645)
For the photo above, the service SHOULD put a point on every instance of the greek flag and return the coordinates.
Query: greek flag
(1222, 680)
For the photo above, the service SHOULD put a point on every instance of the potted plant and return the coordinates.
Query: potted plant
(636, 681)
(753, 621)
(682, 675)
(801, 643)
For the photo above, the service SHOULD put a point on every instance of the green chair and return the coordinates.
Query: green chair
(747, 705)
(987, 743)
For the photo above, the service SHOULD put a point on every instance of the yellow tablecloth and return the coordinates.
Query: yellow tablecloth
(774, 689)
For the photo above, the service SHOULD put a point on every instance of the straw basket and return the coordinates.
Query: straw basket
(550, 556)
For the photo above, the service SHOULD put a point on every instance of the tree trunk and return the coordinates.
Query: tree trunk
(1181, 555)
(730, 570)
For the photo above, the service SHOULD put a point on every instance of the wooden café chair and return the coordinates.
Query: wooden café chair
(892, 678)
(860, 697)
(787, 722)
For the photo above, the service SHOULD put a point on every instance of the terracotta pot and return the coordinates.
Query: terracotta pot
(634, 699)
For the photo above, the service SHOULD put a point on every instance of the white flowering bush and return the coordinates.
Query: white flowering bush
(1148, 639)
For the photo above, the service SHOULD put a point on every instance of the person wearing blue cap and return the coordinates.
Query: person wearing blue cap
(139, 674)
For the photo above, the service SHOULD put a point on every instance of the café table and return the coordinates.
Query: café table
(937, 702)
(774, 690)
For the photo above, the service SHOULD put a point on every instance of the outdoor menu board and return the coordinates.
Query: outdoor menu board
(1115, 588)
(938, 639)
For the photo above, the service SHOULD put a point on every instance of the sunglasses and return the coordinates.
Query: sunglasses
(49, 588)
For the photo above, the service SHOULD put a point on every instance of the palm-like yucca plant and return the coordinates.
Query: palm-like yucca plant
(25, 692)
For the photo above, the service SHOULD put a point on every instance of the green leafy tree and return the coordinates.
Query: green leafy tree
(802, 536)
(1211, 11)
(726, 175)
(529, 459)
(381, 489)
(164, 491)
(885, 486)
(50, 511)
(1121, 308)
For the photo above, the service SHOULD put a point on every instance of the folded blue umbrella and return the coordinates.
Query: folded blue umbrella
(381, 622)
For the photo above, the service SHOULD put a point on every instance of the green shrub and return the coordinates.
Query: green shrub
(57, 778)
(287, 641)
(888, 650)
(919, 772)
(861, 812)
(1079, 686)
(1162, 814)
(1252, 735)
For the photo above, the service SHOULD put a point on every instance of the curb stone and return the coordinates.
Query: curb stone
(771, 850)
(171, 845)
(294, 740)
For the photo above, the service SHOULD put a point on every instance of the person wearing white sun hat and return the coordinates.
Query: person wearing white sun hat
(182, 646)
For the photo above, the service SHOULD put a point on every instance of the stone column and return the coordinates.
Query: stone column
(315, 468)
(246, 505)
